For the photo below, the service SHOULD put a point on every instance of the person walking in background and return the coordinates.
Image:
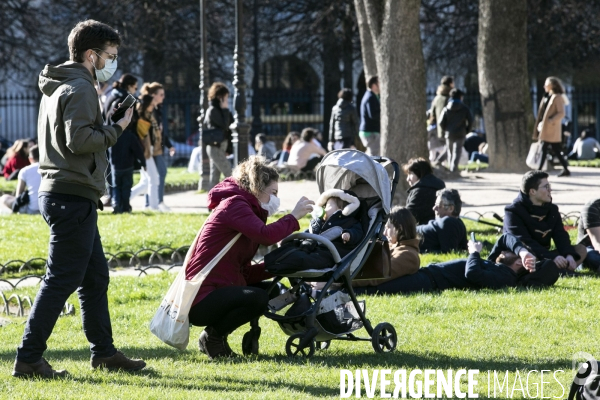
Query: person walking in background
(126, 85)
(157, 92)
(146, 126)
(370, 110)
(73, 141)
(435, 115)
(218, 116)
(16, 160)
(343, 127)
(423, 189)
(548, 124)
(586, 147)
(456, 121)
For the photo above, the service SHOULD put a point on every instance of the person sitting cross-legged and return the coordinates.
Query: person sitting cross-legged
(447, 232)
(536, 221)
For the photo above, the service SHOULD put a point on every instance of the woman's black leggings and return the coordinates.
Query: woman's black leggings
(228, 308)
(557, 150)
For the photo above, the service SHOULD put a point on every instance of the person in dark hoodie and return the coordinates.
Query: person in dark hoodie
(435, 113)
(456, 121)
(343, 127)
(232, 293)
(446, 232)
(73, 141)
(423, 188)
(509, 264)
(536, 221)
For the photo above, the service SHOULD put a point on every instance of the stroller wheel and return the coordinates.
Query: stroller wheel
(384, 338)
(294, 347)
(323, 345)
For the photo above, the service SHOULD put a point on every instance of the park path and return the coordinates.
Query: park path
(480, 191)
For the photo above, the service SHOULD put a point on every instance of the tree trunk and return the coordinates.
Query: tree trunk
(502, 65)
(394, 26)
(366, 40)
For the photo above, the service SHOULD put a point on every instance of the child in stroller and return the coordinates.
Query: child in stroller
(340, 224)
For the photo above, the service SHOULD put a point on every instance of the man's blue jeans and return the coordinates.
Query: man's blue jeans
(75, 262)
(122, 180)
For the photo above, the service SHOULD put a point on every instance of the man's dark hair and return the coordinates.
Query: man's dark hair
(531, 180)
(34, 152)
(374, 80)
(585, 134)
(91, 34)
(447, 80)
(418, 166)
(456, 94)
(308, 134)
(345, 94)
(450, 197)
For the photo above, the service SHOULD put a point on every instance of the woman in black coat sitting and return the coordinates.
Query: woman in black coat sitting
(422, 193)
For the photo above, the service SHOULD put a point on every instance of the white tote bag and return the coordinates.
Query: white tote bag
(534, 156)
(171, 323)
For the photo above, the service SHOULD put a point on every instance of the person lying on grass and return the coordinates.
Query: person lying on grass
(509, 264)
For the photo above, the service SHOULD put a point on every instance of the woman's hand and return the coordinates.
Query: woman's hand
(302, 208)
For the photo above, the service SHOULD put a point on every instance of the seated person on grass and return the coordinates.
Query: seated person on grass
(508, 265)
(447, 232)
(29, 182)
(401, 231)
(536, 221)
(340, 224)
(588, 233)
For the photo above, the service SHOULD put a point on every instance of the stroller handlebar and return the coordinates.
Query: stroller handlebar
(326, 242)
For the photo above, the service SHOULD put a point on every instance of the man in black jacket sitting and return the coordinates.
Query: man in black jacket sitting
(447, 232)
(509, 264)
(536, 222)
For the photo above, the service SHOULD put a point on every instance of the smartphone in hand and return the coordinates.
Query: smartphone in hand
(473, 237)
(124, 106)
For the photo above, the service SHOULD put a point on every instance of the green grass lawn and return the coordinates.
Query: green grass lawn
(505, 330)
(176, 176)
(514, 330)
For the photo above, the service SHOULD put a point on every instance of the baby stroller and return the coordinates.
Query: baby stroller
(331, 311)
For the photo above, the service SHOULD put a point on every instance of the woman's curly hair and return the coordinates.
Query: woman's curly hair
(254, 175)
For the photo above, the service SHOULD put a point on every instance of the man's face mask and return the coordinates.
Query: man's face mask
(104, 74)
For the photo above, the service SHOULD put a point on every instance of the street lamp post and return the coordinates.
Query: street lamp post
(240, 128)
(203, 183)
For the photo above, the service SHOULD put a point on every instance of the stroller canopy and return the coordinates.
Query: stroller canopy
(343, 169)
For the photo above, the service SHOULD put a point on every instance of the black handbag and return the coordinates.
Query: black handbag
(213, 137)
(379, 264)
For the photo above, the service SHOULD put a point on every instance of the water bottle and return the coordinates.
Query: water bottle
(317, 212)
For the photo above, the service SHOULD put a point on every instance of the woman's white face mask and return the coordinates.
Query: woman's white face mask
(272, 206)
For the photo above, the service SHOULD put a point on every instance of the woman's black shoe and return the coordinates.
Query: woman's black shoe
(214, 345)
(565, 172)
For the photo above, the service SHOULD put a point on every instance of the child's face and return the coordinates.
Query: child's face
(391, 233)
(331, 206)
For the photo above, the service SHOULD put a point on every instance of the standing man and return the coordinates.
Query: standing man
(435, 115)
(370, 110)
(456, 121)
(536, 221)
(73, 141)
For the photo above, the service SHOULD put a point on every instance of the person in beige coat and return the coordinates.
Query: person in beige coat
(401, 231)
(548, 125)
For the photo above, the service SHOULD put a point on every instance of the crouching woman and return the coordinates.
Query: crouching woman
(233, 293)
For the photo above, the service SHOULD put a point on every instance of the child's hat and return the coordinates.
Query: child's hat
(346, 195)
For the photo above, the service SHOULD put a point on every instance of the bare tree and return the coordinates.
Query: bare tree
(502, 62)
(394, 27)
